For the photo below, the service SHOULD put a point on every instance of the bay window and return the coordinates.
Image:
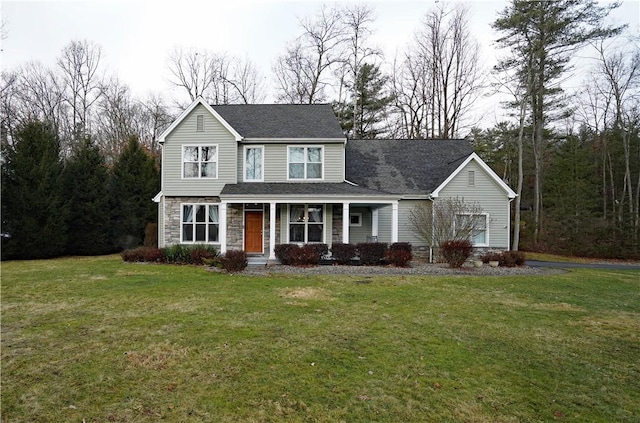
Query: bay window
(200, 223)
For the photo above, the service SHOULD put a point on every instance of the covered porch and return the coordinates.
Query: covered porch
(271, 214)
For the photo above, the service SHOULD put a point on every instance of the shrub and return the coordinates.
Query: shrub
(371, 253)
(177, 254)
(456, 252)
(283, 253)
(490, 256)
(233, 261)
(295, 255)
(133, 255)
(321, 249)
(343, 253)
(305, 256)
(399, 254)
(198, 254)
(153, 255)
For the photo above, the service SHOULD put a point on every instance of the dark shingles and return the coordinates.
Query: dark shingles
(282, 120)
(297, 188)
(404, 166)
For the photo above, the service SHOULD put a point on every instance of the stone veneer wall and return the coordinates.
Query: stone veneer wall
(235, 227)
(336, 224)
(172, 223)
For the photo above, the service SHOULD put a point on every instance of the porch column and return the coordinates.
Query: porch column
(345, 222)
(272, 231)
(394, 221)
(374, 222)
(222, 221)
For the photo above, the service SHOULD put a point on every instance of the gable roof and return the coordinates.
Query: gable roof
(289, 121)
(198, 102)
(407, 167)
(510, 193)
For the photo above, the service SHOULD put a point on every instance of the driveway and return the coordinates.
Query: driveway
(555, 264)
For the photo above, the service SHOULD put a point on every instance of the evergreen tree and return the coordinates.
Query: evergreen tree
(34, 214)
(135, 181)
(85, 180)
(371, 105)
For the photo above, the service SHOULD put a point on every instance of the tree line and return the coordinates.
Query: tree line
(572, 156)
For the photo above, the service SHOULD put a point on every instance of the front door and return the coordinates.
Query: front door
(253, 232)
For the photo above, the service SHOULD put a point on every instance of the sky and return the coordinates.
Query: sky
(137, 36)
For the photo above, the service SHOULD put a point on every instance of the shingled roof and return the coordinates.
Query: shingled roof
(287, 188)
(404, 166)
(282, 120)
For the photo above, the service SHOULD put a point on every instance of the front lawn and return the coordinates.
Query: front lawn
(98, 340)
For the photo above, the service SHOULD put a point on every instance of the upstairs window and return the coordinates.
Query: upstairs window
(305, 162)
(200, 223)
(200, 161)
(253, 163)
(472, 178)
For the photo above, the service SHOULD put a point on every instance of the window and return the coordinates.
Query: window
(200, 123)
(253, 163)
(475, 225)
(305, 162)
(200, 223)
(472, 178)
(306, 223)
(200, 161)
(355, 219)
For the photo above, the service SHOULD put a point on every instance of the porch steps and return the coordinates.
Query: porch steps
(257, 260)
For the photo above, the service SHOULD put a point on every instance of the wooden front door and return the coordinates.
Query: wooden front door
(253, 232)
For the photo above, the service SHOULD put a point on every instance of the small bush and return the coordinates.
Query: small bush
(305, 256)
(399, 254)
(487, 257)
(343, 253)
(296, 255)
(456, 252)
(177, 254)
(198, 254)
(321, 249)
(233, 261)
(284, 253)
(134, 255)
(153, 255)
(505, 259)
(371, 253)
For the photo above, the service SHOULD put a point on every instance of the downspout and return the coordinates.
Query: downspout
(430, 198)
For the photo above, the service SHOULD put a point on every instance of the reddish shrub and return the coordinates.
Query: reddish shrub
(133, 255)
(153, 255)
(343, 253)
(295, 255)
(197, 255)
(399, 254)
(234, 261)
(371, 253)
(456, 252)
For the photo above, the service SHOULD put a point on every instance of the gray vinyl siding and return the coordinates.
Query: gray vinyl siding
(384, 224)
(360, 233)
(406, 232)
(185, 134)
(489, 196)
(276, 167)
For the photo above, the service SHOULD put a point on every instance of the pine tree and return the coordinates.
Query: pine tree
(34, 213)
(85, 180)
(371, 105)
(135, 181)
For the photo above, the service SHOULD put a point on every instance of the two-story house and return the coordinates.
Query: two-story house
(252, 176)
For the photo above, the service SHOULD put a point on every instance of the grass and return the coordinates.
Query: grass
(97, 340)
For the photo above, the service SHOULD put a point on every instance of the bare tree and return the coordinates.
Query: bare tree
(302, 72)
(192, 70)
(439, 78)
(79, 63)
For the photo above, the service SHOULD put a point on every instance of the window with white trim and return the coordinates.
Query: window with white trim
(472, 178)
(254, 163)
(477, 225)
(200, 161)
(199, 223)
(305, 162)
(200, 123)
(355, 219)
(306, 223)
